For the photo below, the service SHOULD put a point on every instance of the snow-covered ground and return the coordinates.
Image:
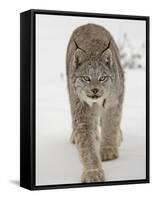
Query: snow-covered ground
(57, 158)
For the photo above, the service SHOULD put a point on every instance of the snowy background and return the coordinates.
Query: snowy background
(57, 160)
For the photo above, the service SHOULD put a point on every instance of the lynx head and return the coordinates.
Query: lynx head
(93, 78)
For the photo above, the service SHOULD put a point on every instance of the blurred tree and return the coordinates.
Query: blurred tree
(131, 57)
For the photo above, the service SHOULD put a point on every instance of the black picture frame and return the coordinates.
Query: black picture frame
(27, 98)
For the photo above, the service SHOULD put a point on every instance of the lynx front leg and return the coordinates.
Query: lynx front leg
(89, 155)
(85, 131)
(111, 132)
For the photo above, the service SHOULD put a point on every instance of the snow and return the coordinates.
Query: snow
(57, 160)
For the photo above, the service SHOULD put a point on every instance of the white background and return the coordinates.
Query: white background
(57, 160)
(9, 101)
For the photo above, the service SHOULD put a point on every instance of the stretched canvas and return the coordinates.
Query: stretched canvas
(84, 99)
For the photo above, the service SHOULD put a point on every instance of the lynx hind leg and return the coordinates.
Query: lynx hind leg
(111, 152)
(111, 134)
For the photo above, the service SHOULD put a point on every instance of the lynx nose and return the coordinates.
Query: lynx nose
(95, 90)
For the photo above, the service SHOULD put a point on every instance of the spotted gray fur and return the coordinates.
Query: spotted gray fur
(96, 88)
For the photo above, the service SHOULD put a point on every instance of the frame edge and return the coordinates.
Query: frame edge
(26, 180)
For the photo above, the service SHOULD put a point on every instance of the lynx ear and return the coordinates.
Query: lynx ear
(79, 57)
(107, 57)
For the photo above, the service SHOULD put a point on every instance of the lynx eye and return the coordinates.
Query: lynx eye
(86, 78)
(103, 78)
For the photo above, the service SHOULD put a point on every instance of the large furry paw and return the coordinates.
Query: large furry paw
(95, 175)
(109, 153)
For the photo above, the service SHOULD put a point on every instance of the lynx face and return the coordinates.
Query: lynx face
(94, 79)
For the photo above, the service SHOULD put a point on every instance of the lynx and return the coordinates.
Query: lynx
(96, 89)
